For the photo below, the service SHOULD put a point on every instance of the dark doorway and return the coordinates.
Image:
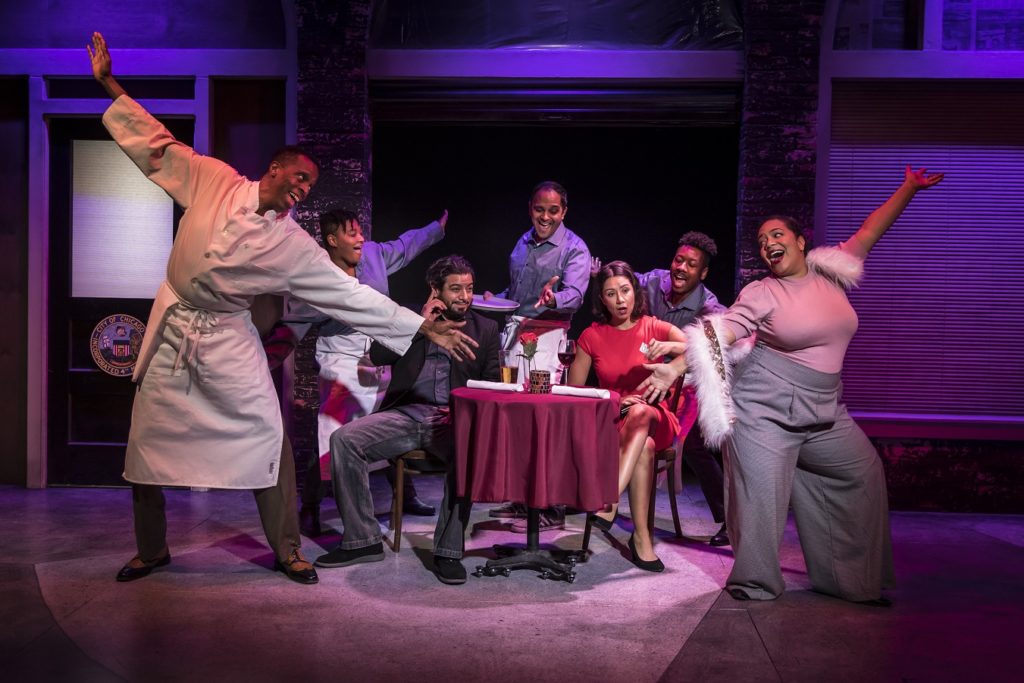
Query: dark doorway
(632, 192)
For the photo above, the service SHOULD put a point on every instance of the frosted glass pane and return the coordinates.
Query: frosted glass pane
(121, 225)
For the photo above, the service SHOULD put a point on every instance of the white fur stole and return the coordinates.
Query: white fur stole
(841, 267)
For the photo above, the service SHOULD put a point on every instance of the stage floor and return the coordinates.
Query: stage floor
(218, 612)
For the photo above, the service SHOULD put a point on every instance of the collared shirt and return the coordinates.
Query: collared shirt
(657, 284)
(532, 263)
(432, 386)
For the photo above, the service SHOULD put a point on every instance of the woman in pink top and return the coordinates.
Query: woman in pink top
(793, 442)
(621, 348)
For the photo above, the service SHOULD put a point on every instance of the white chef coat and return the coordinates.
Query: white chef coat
(206, 413)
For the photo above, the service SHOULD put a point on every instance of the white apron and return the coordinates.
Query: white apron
(206, 413)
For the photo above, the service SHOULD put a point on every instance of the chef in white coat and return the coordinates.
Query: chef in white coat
(206, 413)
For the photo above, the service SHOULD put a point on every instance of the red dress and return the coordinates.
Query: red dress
(619, 365)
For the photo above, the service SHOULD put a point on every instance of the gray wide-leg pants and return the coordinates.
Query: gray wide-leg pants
(794, 442)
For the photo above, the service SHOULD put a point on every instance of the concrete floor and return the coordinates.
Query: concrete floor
(219, 613)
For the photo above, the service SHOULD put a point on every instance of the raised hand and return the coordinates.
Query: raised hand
(433, 308)
(547, 295)
(920, 180)
(595, 266)
(443, 220)
(100, 57)
(101, 67)
(445, 333)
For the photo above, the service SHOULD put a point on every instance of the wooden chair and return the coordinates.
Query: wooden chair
(664, 461)
(413, 462)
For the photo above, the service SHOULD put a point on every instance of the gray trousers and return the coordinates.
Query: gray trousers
(794, 442)
(276, 505)
(357, 446)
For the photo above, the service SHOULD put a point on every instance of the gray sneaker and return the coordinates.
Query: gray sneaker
(549, 519)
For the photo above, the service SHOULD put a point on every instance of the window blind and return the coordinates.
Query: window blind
(940, 308)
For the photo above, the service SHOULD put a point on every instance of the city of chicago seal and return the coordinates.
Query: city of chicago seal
(115, 344)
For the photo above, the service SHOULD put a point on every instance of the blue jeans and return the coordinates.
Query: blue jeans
(357, 446)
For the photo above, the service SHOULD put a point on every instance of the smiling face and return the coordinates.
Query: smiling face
(546, 213)
(782, 249)
(345, 245)
(457, 295)
(286, 183)
(688, 269)
(618, 297)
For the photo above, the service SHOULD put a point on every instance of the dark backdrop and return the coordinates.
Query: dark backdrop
(632, 193)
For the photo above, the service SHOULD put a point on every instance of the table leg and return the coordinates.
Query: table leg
(552, 564)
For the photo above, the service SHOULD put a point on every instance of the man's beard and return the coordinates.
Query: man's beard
(453, 315)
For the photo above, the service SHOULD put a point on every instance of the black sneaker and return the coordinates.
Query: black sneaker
(449, 570)
(508, 511)
(343, 558)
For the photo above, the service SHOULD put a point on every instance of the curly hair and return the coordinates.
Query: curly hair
(440, 269)
(614, 269)
(699, 240)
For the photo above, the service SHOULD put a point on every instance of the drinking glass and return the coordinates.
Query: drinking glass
(566, 355)
(509, 367)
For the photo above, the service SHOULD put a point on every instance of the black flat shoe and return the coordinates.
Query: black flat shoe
(449, 570)
(341, 557)
(304, 576)
(129, 573)
(719, 539)
(646, 565)
(600, 522)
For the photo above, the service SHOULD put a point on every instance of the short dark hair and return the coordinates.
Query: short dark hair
(699, 240)
(331, 220)
(551, 185)
(290, 153)
(440, 269)
(613, 269)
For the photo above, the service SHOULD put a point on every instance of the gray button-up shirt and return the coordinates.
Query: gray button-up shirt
(432, 385)
(533, 263)
(657, 284)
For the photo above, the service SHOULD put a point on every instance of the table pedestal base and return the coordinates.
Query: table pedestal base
(558, 565)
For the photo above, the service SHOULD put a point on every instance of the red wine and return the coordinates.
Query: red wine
(566, 358)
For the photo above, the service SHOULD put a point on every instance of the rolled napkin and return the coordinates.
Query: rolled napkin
(586, 392)
(493, 386)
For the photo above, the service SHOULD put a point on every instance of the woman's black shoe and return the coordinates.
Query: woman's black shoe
(646, 565)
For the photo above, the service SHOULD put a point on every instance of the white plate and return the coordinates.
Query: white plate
(495, 303)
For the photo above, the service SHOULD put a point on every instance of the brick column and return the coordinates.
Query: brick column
(778, 138)
(333, 126)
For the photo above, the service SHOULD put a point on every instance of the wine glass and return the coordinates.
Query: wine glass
(566, 355)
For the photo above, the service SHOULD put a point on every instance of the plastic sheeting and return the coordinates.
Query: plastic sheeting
(591, 24)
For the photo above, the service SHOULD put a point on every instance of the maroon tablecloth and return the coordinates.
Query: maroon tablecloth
(536, 449)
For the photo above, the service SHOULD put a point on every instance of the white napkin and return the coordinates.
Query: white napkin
(494, 386)
(586, 392)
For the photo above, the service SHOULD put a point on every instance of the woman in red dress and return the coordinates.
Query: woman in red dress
(625, 348)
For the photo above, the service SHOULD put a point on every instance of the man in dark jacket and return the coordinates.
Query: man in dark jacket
(413, 415)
